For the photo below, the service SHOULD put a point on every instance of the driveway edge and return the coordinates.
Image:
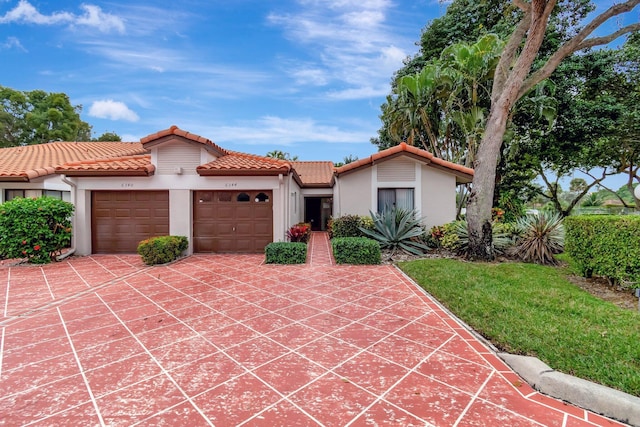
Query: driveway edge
(585, 394)
(595, 397)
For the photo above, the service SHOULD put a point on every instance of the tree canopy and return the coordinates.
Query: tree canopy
(35, 117)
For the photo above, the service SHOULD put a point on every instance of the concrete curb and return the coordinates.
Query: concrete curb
(585, 394)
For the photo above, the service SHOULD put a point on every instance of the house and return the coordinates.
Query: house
(175, 182)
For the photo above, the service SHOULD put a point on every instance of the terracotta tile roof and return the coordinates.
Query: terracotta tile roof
(463, 174)
(166, 134)
(139, 165)
(33, 161)
(244, 164)
(314, 174)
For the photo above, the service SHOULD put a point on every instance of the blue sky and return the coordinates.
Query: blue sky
(302, 76)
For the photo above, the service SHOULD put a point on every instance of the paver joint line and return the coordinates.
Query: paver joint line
(329, 352)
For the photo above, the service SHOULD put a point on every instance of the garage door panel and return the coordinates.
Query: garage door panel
(232, 225)
(262, 229)
(225, 211)
(121, 219)
(244, 212)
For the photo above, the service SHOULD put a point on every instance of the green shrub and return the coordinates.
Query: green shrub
(445, 236)
(355, 250)
(349, 226)
(286, 253)
(162, 249)
(605, 245)
(35, 229)
(398, 229)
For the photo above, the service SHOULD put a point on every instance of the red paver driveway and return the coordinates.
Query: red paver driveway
(225, 340)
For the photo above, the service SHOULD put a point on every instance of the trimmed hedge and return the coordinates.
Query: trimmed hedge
(286, 253)
(349, 226)
(35, 228)
(605, 245)
(355, 250)
(162, 249)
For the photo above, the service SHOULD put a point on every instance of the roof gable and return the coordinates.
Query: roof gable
(463, 174)
(175, 133)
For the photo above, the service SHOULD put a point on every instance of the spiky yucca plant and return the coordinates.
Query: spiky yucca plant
(501, 237)
(398, 229)
(541, 236)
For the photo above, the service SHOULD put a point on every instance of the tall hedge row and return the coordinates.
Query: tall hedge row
(605, 245)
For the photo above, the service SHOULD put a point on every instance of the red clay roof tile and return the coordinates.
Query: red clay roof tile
(139, 165)
(461, 171)
(149, 140)
(33, 161)
(314, 173)
(244, 164)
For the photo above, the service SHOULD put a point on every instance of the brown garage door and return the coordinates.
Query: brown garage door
(232, 221)
(121, 219)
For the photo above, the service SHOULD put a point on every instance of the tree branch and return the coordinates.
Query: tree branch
(574, 43)
(508, 54)
(598, 41)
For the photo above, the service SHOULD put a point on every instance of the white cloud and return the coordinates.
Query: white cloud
(93, 17)
(112, 110)
(96, 18)
(12, 43)
(351, 41)
(270, 130)
(310, 76)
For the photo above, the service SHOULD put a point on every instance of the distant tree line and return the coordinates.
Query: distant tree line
(37, 117)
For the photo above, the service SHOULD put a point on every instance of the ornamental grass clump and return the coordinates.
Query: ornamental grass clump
(541, 236)
(398, 229)
(35, 229)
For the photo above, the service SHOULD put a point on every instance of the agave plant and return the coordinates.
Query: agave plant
(398, 229)
(541, 236)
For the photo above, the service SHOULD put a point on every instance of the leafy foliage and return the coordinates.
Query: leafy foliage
(286, 253)
(162, 249)
(605, 245)
(36, 117)
(35, 229)
(299, 233)
(281, 155)
(349, 226)
(355, 250)
(541, 236)
(398, 229)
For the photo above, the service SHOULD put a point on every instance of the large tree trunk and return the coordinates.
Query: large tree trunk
(506, 85)
(481, 197)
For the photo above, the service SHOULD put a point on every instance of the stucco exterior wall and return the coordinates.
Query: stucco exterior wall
(438, 196)
(355, 194)
(434, 190)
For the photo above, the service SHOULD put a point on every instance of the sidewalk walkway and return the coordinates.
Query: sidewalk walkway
(226, 340)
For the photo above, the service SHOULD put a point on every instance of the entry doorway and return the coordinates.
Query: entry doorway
(317, 211)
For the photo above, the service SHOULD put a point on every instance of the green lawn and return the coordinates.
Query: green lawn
(533, 310)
